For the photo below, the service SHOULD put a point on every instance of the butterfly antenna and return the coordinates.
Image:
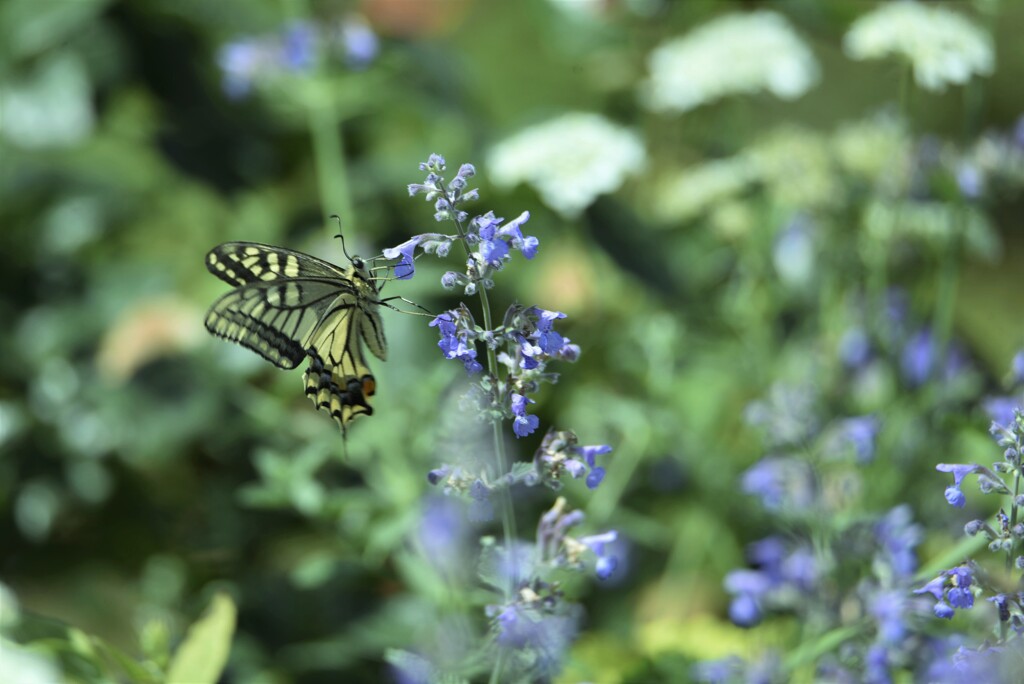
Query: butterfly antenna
(341, 237)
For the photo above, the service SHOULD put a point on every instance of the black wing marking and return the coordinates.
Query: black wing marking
(275, 318)
(245, 263)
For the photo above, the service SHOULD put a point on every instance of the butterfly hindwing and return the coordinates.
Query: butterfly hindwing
(338, 379)
(289, 306)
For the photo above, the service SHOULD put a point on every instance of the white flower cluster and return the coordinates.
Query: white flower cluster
(942, 46)
(569, 160)
(740, 53)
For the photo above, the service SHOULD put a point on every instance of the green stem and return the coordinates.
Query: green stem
(325, 126)
(1013, 519)
(508, 521)
(501, 463)
(329, 155)
(499, 666)
(948, 281)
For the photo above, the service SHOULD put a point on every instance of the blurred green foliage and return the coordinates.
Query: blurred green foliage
(145, 467)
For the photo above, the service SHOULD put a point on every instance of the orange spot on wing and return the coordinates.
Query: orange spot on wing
(369, 386)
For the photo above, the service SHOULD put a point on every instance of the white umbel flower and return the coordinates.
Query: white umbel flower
(739, 53)
(569, 160)
(942, 46)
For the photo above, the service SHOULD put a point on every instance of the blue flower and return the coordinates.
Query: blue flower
(935, 587)
(590, 452)
(569, 352)
(748, 586)
(960, 595)
(359, 42)
(454, 340)
(918, 357)
(876, 665)
(465, 172)
(241, 61)
(780, 483)
(1017, 367)
(605, 566)
(493, 252)
(800, 569)
(524, 424)
(549, 341)
(435, 164)
(898, 537)
(1002, 602)
(860, 433)
(1000, 409)
(559, 452)
(595, 477)
(445, 324)
(969, 180)
(299, 46)
(428, 187)
(481, 509)
(889, 609)
(589, 455)
(438, 474)
(953, 493)
(443, 533)
(951, 590)
(783, 573)
(768, 552)
(745, 611)
(960, 598)
(509, 631)
(544, 635)
(955, 496)
(527, 245)
(854, 348)
(405, 268)
(292, 50)
(606, 563)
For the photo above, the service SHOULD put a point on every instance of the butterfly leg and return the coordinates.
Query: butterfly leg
(426, 312)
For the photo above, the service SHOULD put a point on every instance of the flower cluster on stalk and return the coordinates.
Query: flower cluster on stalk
(960, 587)
(507, 362)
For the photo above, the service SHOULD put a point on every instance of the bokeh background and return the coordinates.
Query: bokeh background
(757, 234)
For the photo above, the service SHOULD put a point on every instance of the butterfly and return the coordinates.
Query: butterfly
(288, 306)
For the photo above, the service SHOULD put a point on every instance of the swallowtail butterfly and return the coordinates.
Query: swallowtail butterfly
(288, 306)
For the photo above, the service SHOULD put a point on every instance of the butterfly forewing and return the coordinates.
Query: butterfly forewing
(289, 306)
(241, 263)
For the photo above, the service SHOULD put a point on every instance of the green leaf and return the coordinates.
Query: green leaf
(137, 672)
(202, 656)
